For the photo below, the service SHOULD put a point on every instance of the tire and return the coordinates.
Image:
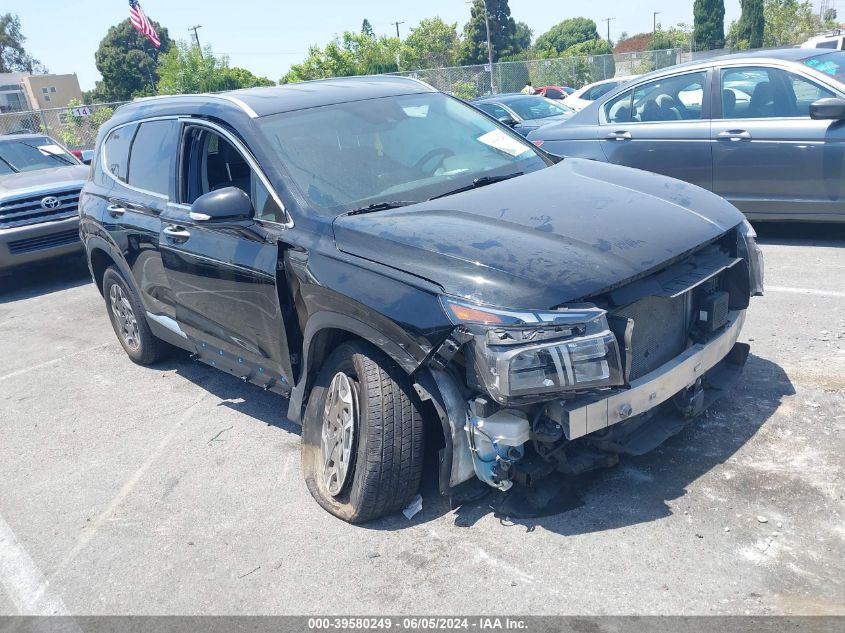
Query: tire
(139, 343)
(385, 451)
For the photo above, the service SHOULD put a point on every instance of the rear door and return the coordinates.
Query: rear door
(139, 158)
(661, 126)
(770, 158)
(224, 277)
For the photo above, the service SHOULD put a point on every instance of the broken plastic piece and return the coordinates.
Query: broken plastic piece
(414, 508)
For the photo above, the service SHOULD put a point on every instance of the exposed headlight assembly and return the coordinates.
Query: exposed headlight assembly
(746, 246)
(533, 355)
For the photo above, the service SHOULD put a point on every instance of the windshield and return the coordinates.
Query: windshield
(531, 108)
(409, 148)
(31, 154)
(832, 64)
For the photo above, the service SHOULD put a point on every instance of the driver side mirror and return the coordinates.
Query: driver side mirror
(832, 108)
(506, 120)
(224, 205)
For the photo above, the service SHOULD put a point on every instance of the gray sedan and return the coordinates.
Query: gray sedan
(764, 130)
(524, 113)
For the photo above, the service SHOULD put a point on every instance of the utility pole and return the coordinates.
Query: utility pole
(656, 13)
(396, 24)
(196, 36)
(608, 20)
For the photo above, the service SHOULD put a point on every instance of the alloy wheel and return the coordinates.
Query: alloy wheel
(125, 317)
(340, 419)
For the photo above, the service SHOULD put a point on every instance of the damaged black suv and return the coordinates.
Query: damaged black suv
(390, 258)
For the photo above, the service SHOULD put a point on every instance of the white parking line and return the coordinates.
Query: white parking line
(26, 370)
(127, 487)
(806, 291)
(21, 579)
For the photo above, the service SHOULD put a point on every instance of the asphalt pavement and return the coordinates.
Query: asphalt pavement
(177, 489)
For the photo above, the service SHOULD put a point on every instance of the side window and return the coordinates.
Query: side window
(619, 110)
(599, 91)
(211, 163)
(554, 93)
(806, 93)
(152, 156)
(116, 151)
(671, 99)
(495, 110)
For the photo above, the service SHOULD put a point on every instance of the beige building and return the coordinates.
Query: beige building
(50, 91)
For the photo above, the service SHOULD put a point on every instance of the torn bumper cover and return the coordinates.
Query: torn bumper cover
(581, 417)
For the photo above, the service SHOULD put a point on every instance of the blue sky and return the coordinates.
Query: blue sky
(266, 36)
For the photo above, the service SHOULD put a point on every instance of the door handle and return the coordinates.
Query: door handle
(619, 136)
(176, 233)
(735, 135)
(115, 210)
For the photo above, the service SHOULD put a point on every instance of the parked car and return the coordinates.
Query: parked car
(555, 92)
(834, 40)
(391, 260)
(39, 193)
(523, 113)
(769, 136)
(583, 97)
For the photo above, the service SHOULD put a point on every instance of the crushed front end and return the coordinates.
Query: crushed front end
(568, 389)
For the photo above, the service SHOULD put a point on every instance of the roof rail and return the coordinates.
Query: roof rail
(224, 96)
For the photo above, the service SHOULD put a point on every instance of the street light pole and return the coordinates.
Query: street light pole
(656, 13)
(489, 47)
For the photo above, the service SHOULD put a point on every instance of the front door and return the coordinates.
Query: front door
(662, 126)
(224, 277)
(770, 158)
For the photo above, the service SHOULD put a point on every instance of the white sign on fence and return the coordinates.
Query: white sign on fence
(81, 111)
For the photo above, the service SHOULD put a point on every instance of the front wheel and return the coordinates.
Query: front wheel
(362, 436)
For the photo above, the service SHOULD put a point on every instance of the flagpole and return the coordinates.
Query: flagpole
(149, 70)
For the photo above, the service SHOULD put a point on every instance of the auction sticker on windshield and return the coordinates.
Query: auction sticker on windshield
(504, 143)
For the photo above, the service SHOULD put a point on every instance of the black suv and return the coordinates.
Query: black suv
(389, 258)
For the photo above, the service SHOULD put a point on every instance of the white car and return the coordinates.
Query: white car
(834, 40)
(583, 97)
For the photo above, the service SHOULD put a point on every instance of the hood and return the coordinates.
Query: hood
(47, 179)
(556, 235)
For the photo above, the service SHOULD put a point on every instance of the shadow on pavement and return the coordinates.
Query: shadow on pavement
(801, 233)
(638, 489)
(44, 278)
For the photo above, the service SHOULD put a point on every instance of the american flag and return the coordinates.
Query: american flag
(141, 22)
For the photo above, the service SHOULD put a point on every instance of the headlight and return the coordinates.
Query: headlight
(529, 355)
(746, 246)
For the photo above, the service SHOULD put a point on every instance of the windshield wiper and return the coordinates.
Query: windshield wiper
(10, 165)
(58, 157)
(381, 206)
(481, 181)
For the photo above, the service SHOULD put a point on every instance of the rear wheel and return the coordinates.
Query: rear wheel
(127, 318)
(362, 436)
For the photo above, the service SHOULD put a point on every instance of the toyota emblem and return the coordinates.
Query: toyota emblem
(50, 203)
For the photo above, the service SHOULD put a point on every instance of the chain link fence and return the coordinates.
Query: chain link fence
(75, 127)
(469, 82)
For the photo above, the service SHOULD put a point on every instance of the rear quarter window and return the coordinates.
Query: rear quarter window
(151, 160)
(116, 151)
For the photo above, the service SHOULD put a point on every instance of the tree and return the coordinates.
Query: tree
(78, 131)
(709, 24)
(749, 31)
(128, 63)
(522, 37)
(567, 34)
(186, 70)
(791, 22)
(503, 33)
(432, 44)
(367, 28)
(353, 54)
(13, 56)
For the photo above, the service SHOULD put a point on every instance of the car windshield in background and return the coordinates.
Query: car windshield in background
(32, 154)
(393, 150)
(530, 108)
(832, 64)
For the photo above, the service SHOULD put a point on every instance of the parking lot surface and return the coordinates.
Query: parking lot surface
(177, 489)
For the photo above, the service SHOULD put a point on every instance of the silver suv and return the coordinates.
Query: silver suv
(40, 183)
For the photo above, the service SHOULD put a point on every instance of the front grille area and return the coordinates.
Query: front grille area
(28, 210)
(45, 241)
(661, 326)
